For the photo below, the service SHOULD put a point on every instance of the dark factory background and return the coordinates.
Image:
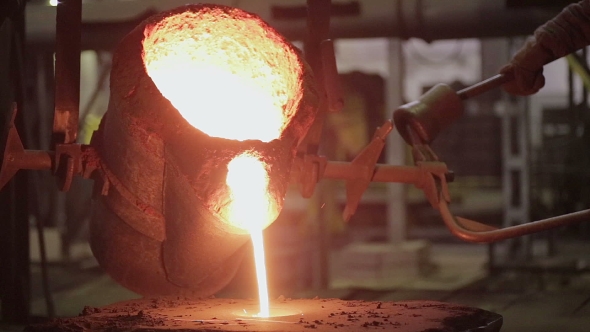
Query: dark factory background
(515, 160)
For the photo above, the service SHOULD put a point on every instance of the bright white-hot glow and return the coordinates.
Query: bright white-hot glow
(247, 179)
(226, 103)
(260, 261)
(53, 3)
(224, 69)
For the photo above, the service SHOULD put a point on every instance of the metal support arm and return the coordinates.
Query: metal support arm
(430, 175)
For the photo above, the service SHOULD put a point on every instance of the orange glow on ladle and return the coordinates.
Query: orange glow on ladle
(247, 179)
(232, 76)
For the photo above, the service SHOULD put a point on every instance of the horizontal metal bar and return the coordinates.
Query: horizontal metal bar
(484, 86)
(34, 160)
(382, 173)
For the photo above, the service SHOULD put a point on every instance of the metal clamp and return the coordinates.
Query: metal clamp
(67, 161)
(15, 156)
(364, 167)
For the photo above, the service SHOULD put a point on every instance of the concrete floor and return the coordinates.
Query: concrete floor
(551, 296)
(542, 301)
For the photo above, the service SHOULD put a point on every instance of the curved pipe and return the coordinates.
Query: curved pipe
(473, 231)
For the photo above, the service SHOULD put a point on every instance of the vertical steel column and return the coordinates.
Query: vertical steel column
(516, 175)
(14, 234)
(395, 146)
(67, 70)
(318, 25)
(494, 54)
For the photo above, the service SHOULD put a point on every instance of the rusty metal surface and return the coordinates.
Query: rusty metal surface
(197, 242)
(132, 259)
(140, 216)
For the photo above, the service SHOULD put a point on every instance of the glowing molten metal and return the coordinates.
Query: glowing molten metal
(193, 88)
(247, 179)
(231, 76)
(224, 69)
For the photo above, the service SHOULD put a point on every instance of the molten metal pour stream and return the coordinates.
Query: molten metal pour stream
(224, 52)
(247, 180)
(259, 260)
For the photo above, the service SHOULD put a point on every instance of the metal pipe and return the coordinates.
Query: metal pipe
(397, 174)
(382, 173)
(34, 160)
(484, 86)
(460, 226)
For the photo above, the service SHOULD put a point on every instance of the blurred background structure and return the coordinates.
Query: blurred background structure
(515, 160)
